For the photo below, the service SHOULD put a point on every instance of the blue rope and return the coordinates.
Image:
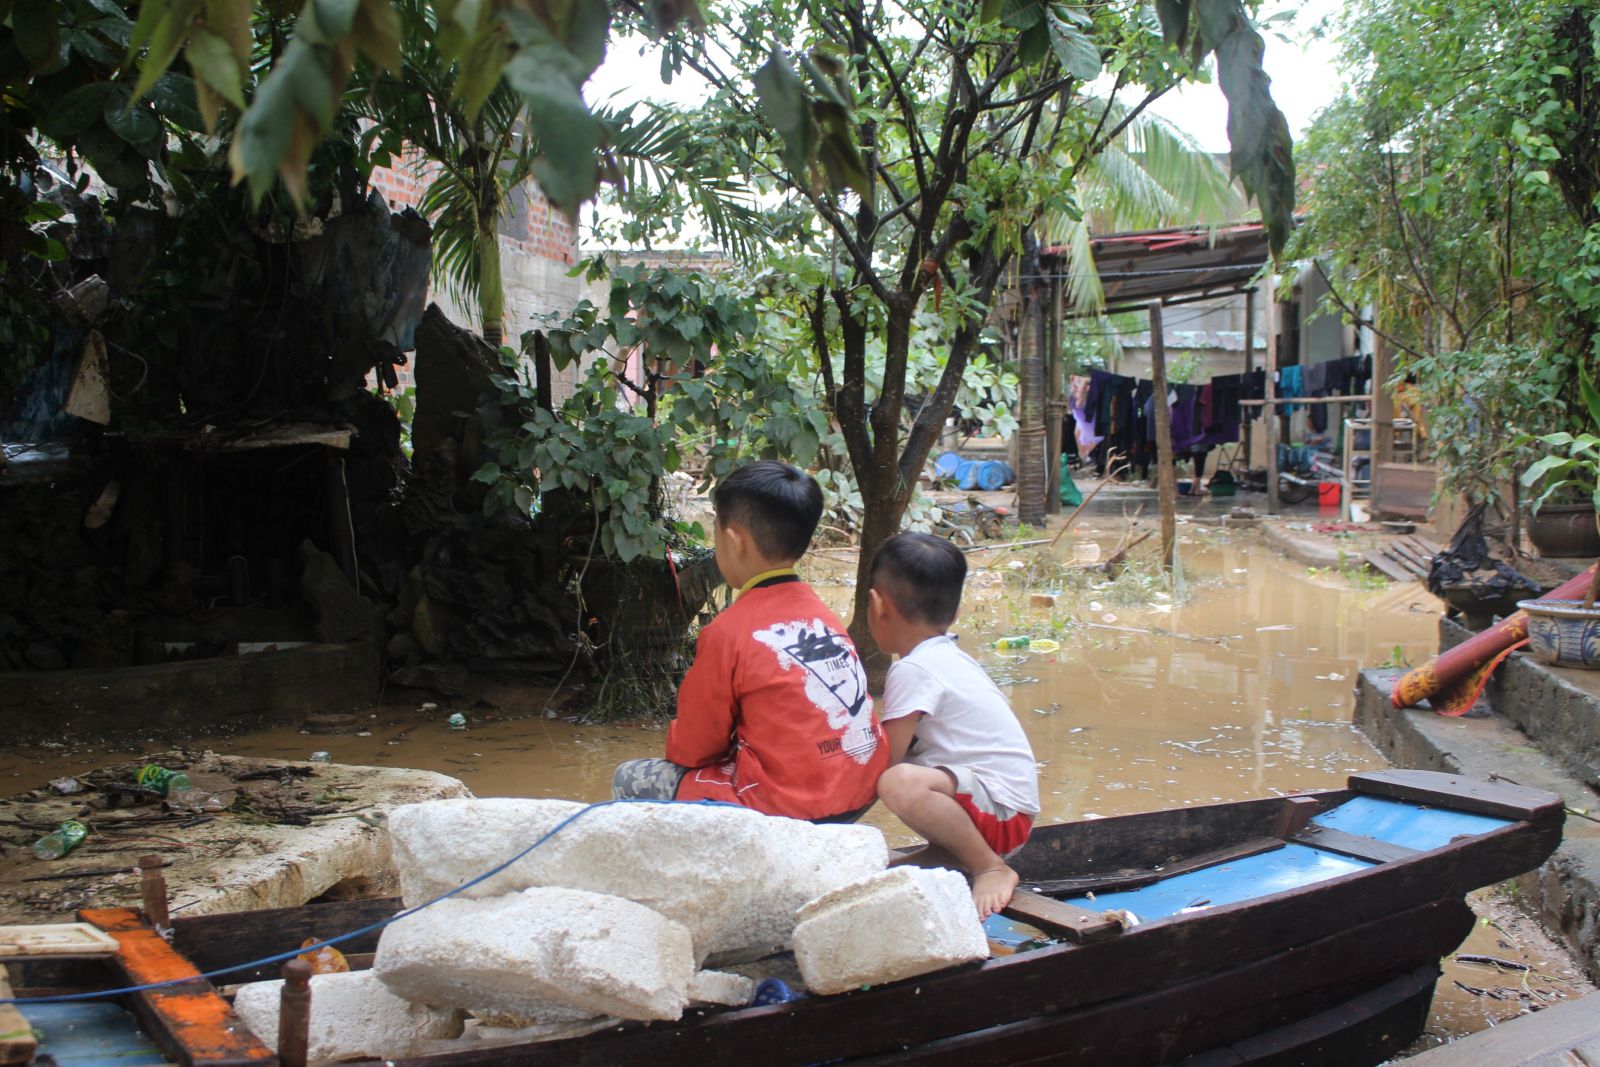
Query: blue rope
(281, 957)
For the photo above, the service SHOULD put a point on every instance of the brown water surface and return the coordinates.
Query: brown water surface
(1234, 682)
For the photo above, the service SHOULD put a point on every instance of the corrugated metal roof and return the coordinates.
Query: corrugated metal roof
(1183, 261)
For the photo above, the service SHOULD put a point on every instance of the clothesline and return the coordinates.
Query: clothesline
(1359, 398)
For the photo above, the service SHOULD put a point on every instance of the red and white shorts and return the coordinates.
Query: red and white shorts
(1003, 830)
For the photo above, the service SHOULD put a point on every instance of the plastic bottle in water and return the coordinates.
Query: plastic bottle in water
(58, 843)
(156, 777)
(1021, 641)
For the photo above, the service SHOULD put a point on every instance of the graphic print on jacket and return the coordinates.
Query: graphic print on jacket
(836, 683)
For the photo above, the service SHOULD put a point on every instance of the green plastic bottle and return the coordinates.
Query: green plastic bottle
(156, 777)
(58, 843)
(1022, 641)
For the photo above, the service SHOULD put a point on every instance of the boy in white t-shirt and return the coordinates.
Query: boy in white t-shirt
(961, 772)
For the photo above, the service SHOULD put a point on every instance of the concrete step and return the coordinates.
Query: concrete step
(1558, 708)
(1565, 892)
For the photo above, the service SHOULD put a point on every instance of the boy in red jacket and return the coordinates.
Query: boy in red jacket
(774, 713)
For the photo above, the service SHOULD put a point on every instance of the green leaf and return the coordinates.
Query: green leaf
(76, 110)
(166, 29)
(214, 63)
(36, 28)
(488, 474)
(1544, 468)
(783, 104)
(1076, 53)
(1021, 14)
(138, 125)
(335, 17)
(1591, 397)
(174, 96)
(550, 80)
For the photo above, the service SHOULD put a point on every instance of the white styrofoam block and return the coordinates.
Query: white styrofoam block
(733, 876)
(352, 1015)
(721, 987)
(897, 924)
(517, 953)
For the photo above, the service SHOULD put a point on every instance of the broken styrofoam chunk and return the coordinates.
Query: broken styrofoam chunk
(517, 954)
(903, 922)
(721, 987)
(733, 876)
(353, 1015)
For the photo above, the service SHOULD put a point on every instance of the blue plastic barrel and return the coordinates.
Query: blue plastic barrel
(967, 474)
(946, 464)
(993, 474)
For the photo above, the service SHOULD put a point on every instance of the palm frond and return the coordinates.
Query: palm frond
(661, 152)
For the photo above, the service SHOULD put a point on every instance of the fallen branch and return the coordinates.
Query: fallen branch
(93, 872)
(1004, 548)
(1112, 470)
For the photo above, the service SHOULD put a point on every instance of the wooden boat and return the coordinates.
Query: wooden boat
(1291, 930)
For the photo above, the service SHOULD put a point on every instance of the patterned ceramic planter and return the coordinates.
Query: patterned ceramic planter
(1562, 633)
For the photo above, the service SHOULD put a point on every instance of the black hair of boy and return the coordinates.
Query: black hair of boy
(923, 575)
(780, 505)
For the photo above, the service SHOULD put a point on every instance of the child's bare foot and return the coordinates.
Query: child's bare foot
(992, 889)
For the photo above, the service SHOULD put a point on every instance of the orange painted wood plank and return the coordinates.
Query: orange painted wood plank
(191, 1022)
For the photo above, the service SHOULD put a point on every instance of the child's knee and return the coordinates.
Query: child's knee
(896, 783)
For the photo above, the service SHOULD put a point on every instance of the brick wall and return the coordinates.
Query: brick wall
(538, 245)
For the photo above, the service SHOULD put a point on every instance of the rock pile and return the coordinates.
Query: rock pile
(613, 917)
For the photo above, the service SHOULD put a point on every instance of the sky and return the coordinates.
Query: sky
(1302, 71)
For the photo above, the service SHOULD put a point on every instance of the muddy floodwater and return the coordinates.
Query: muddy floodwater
(1235, 681)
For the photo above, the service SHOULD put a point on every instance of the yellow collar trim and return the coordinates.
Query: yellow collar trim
(781, 572)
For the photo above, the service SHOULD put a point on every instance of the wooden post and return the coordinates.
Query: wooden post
(1249, 359)
(1269, 413)
(294, 1014)
(1382, 443)
(1166, 475)
(153, 891)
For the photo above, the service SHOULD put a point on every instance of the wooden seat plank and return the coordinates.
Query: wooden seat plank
(1499, 799)
(191, 1022)
(1362, 848)
(1068, 920)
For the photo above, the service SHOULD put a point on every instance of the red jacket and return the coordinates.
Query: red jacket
(774, 712)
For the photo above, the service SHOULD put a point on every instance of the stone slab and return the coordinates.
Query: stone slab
(1546, 1038)
(353, 1015)
(234, 862)
(897, 924)
(513, 954)
(734, 877)
(1565, 892)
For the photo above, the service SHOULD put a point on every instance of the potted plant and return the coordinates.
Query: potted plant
(1567, 632)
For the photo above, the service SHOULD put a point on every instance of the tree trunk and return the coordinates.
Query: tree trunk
(1031, 476)
(491, 293)
(881, 522)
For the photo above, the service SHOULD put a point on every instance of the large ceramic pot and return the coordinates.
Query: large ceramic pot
(1563, 633)
(1565, 530)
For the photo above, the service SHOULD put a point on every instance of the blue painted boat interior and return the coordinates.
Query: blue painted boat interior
(1294, 865)
(90, 1034)
(1405, 824)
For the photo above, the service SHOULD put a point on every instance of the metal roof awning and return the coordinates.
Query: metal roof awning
(1176, 265)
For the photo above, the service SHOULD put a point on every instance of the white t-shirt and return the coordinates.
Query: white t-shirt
(967, 721)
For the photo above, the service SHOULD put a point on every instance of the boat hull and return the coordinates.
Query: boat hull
(1305, 964)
